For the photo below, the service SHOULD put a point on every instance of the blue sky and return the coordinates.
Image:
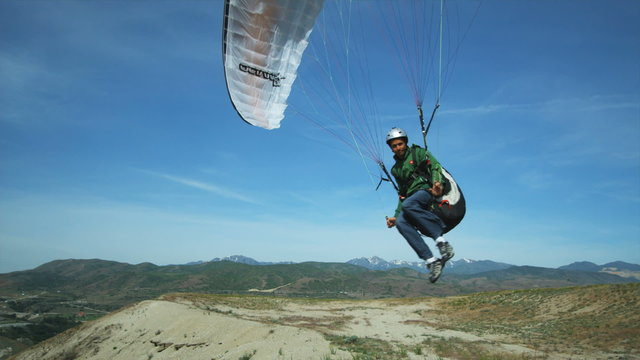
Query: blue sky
(118, 141)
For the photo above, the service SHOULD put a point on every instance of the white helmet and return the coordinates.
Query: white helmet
(396, 133)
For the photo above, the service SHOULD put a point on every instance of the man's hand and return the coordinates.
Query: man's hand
(391, 222)
(436, 190)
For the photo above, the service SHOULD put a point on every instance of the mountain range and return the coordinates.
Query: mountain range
(461, 266)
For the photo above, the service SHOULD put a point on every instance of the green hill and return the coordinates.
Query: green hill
(117, 283)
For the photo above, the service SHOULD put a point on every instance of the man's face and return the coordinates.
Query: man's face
(399, 147)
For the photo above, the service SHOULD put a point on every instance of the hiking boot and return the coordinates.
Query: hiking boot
(446, 251)
(435, 270)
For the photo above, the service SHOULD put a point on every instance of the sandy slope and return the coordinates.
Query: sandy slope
(169, 330)
(217, 327)
(188, 329)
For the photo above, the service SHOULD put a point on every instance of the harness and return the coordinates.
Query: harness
(422, 170)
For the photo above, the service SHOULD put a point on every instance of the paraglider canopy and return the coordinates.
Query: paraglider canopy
(263, 43)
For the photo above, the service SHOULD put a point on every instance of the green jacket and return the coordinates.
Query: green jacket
(408, 180)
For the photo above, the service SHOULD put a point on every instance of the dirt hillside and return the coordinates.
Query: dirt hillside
(503, 325)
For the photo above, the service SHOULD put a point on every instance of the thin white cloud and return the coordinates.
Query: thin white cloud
(593, 103)
(29, 89)
(536, 180)
(47, 82)
(208, 187)
(488, 109)
(585, 104)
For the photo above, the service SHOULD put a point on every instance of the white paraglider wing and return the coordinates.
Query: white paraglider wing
(263, 43)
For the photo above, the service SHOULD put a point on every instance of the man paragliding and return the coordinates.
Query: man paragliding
(423, 207)
(263, 46)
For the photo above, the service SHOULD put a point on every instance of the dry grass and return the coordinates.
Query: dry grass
(210, 301)
(595, 318)
(476, 350)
